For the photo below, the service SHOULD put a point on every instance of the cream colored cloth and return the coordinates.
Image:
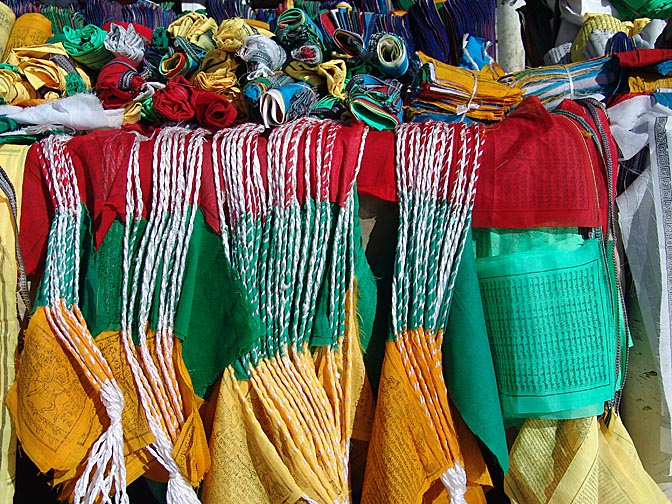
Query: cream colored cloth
(12, 160)
(580, 461)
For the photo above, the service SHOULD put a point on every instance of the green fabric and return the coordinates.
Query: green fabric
(367, 290)
(467, 361)
(654, 9)
(7, 124)
(494, 242)
(552, 329)
(87, 46)
(214, 317)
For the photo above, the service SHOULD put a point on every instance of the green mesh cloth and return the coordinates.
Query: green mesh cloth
(655, 9)
(552, 322)
(87, 46)
(213, 317)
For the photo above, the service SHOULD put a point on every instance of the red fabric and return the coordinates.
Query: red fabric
(643, 57)
(377, 176)
(212, 110)
(141, 30)
(118, 83)
(174, 101)
(542, 170)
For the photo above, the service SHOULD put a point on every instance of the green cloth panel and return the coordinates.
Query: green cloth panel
(551, 327)
(214, 319)
(467, 362)
(367, 290)
(496, 242)
(87, 46)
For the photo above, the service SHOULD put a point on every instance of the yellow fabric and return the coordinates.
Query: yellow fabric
(492, 98)
(12, 160)
(195, 27)
(40, 72)
(643, 83)
(286, 432)
(414, 439)
(580, 461)
(331, 73)
(53, 410)
(246, 467)
(29, 29)
(603, 22)
(232, 32)
(7, 19)
(132, 113)
(218, 59)
(11, 89)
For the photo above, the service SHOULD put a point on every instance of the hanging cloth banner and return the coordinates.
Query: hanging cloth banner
(416, 444)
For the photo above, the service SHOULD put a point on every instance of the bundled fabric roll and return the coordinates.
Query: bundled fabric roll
(415, 441)
(125, 42)
(477, 95)
(592, 78)
(330, 75)
(196, 27)
(389, 53)
(230, 35)
(376, 102)
(262, 55)
(118, 83)
(174, 100)
(212, 110)
(297, 32)
(286, 103)
(87, 46)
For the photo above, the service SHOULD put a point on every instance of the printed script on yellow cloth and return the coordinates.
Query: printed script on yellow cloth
(407, 453)
(29, 30)
(7, 19)
(12, 160)
(580, 461)
(269, 443)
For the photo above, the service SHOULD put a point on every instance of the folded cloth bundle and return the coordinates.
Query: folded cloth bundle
(196, 27)
(296, 31)
(375, 101)
(254, 89)
(174, 102)
(389, 53)
(184, 58)
(231, 34)
(262, 55)
(118, 83)
(87, 46)
(447, 88)
(331, 74)
(212, 110)
(597, 77)
(125, 42)
(286, 103)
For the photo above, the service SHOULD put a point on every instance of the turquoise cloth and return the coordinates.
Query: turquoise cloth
(552, 324)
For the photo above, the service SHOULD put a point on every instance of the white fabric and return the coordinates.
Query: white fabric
(629, 121)
(596, 46)
(125, 42)
(262, 55)
(646, 38)
(645, 219)
(574, 11)
(80, 112)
